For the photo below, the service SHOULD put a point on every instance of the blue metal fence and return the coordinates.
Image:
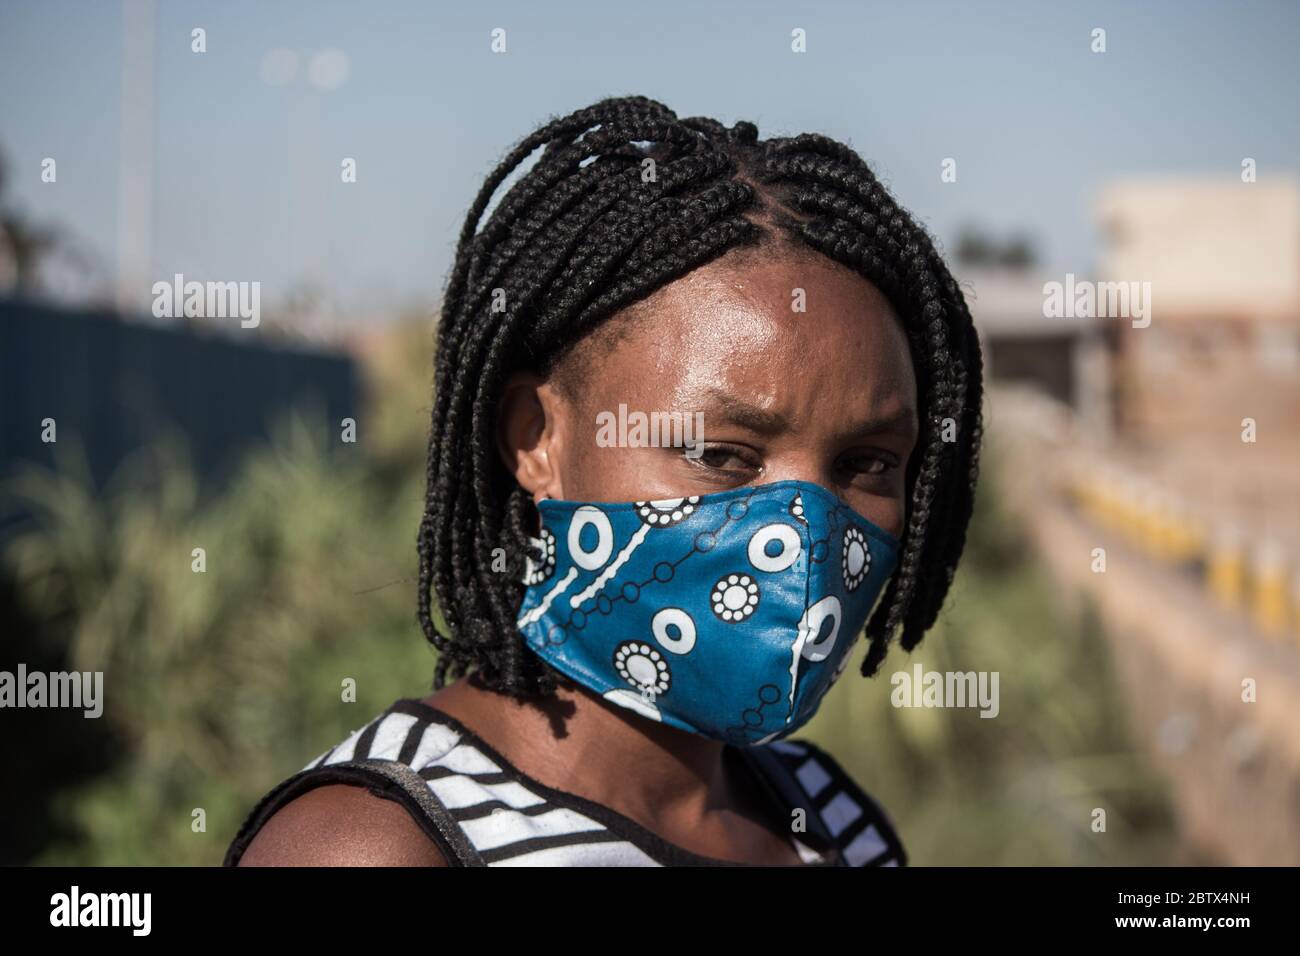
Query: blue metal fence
(115, 385)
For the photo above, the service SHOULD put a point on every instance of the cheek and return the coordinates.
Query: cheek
(897, 518)
(885, 504)
(592, 472)
(887, 513)
(578, 462)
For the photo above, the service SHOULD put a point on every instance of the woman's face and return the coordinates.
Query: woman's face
(825, 395)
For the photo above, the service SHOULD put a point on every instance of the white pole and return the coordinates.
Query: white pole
(135, 172)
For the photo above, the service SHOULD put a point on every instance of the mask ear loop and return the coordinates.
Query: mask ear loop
(537, 512)
(536, 516)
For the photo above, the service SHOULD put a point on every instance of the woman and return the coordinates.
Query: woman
(706, 406)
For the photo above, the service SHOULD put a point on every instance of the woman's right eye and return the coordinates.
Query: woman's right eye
(730, 458)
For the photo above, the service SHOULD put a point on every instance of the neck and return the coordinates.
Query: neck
(577, 742)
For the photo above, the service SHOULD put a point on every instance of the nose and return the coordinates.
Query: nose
(885, 512)
(799, 469)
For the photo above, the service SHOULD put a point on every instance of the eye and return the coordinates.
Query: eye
(873, 462)
(726, 458)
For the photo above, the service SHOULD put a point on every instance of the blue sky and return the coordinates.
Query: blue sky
(246, 175)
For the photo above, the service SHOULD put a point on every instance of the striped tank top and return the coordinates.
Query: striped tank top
(480, 810)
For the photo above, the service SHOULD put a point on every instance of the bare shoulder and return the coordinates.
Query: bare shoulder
(341, 825)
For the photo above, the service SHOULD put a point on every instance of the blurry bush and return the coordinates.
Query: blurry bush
(218, 684)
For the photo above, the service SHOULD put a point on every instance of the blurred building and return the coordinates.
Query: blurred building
(1209, 392)
(1212, 249)
(1063, 357)
(1223, 261)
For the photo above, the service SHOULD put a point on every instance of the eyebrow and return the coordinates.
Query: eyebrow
(749, 416)
(902, 420)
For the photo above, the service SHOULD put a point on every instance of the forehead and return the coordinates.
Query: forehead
(799, 330)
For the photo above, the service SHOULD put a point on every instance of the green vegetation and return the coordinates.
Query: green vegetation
(219, 684)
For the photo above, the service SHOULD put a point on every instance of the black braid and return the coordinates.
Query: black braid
(580, 237)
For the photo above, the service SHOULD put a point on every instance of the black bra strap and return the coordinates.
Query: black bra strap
(387, 779)
(783, 786)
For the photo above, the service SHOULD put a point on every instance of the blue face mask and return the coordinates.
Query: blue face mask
(728, 615)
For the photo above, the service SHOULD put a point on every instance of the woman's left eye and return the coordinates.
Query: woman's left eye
(870, 463)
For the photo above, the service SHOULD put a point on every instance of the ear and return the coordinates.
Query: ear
(528, 433)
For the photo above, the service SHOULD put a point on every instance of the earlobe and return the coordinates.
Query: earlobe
(525, 432)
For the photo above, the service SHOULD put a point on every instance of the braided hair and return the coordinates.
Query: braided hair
(585, 233)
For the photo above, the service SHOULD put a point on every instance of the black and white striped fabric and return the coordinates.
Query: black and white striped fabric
(511, 819)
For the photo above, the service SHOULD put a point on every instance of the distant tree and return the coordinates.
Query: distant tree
(27, 243)
(1018, 253)
(975, 247)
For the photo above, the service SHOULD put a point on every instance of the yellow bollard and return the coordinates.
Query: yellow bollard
(1226, 567)
(1268, 589)
(1077, 488)
(1194, 539)
(1090, 493)
(1150, 527)
(1128, 514)
(1295, 608)
(1175, 529)
(1120, 511)
(1189, 534)
(1170, 528)
(1104, 502)
(1099, 498)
